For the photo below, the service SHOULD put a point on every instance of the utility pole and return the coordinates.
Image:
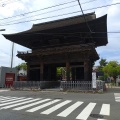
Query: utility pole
(12, 55)
(12, 50)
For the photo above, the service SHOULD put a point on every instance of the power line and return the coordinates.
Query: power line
(60, 15)
(40, 9)
(84, 16)
(102, 6)
(2, 4)
(41, 18)
(42, 13)
(49, 11)
(46, 8)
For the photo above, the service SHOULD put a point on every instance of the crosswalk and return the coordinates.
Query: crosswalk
(117, 97)
(31, 105)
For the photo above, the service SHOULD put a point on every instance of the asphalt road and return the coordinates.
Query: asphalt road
(54, 105)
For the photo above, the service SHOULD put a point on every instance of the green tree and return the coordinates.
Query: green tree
(112, 69)
(22, 66)
(102, 63)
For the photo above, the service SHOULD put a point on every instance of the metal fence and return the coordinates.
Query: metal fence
(35, 84)
(63, 85)
(76, 85)
(101, 85)
(82, 86)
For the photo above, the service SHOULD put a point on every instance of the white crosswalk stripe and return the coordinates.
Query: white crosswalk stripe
(9, 106)
(86, 112)
(117, 97)
(3, 104)
(8, 97)
(56, 107)
(29, 105)
(8, 100)
(70, 109)
(66, 107)
(105, 110)
(1, 99)
(42, 106)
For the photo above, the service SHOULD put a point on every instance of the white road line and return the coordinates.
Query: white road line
(8, 97)
(3, 101)
(3, 104)
(70, 109)
(117, 94)
(42, 106)
(117, 97)
(52, 109)
(86, 112)
(28, 101)
(32, 104)
(105, 110)
(1, 97)
(117, 100)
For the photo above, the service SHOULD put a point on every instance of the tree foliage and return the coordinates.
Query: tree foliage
(22, 66)
(112, 69)
(102, 63)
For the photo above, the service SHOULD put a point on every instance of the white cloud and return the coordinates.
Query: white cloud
(10, 8)
(112, 50)
(4, 59)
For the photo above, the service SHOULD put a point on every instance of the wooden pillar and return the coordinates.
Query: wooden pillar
(90, 72)
(49, 73)
(41, 71)
(86, 70)
(28, 72)
(73, 74)
(68, 70)
(53, 73)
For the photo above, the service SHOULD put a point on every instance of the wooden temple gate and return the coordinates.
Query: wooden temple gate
(63, 43)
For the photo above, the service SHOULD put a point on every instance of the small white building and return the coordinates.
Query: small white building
(22, 72)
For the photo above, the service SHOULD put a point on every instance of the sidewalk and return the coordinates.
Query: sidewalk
(3, 90)
(113, 89)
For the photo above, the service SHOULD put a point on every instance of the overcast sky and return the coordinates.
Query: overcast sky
(10, 8)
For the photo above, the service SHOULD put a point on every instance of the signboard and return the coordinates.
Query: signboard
(9, 78)
(94, 84)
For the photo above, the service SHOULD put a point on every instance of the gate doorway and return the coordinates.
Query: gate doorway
(77, 73)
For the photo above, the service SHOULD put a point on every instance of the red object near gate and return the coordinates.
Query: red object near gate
(9, 78)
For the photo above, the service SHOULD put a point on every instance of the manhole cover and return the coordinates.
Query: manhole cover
(96, 116)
